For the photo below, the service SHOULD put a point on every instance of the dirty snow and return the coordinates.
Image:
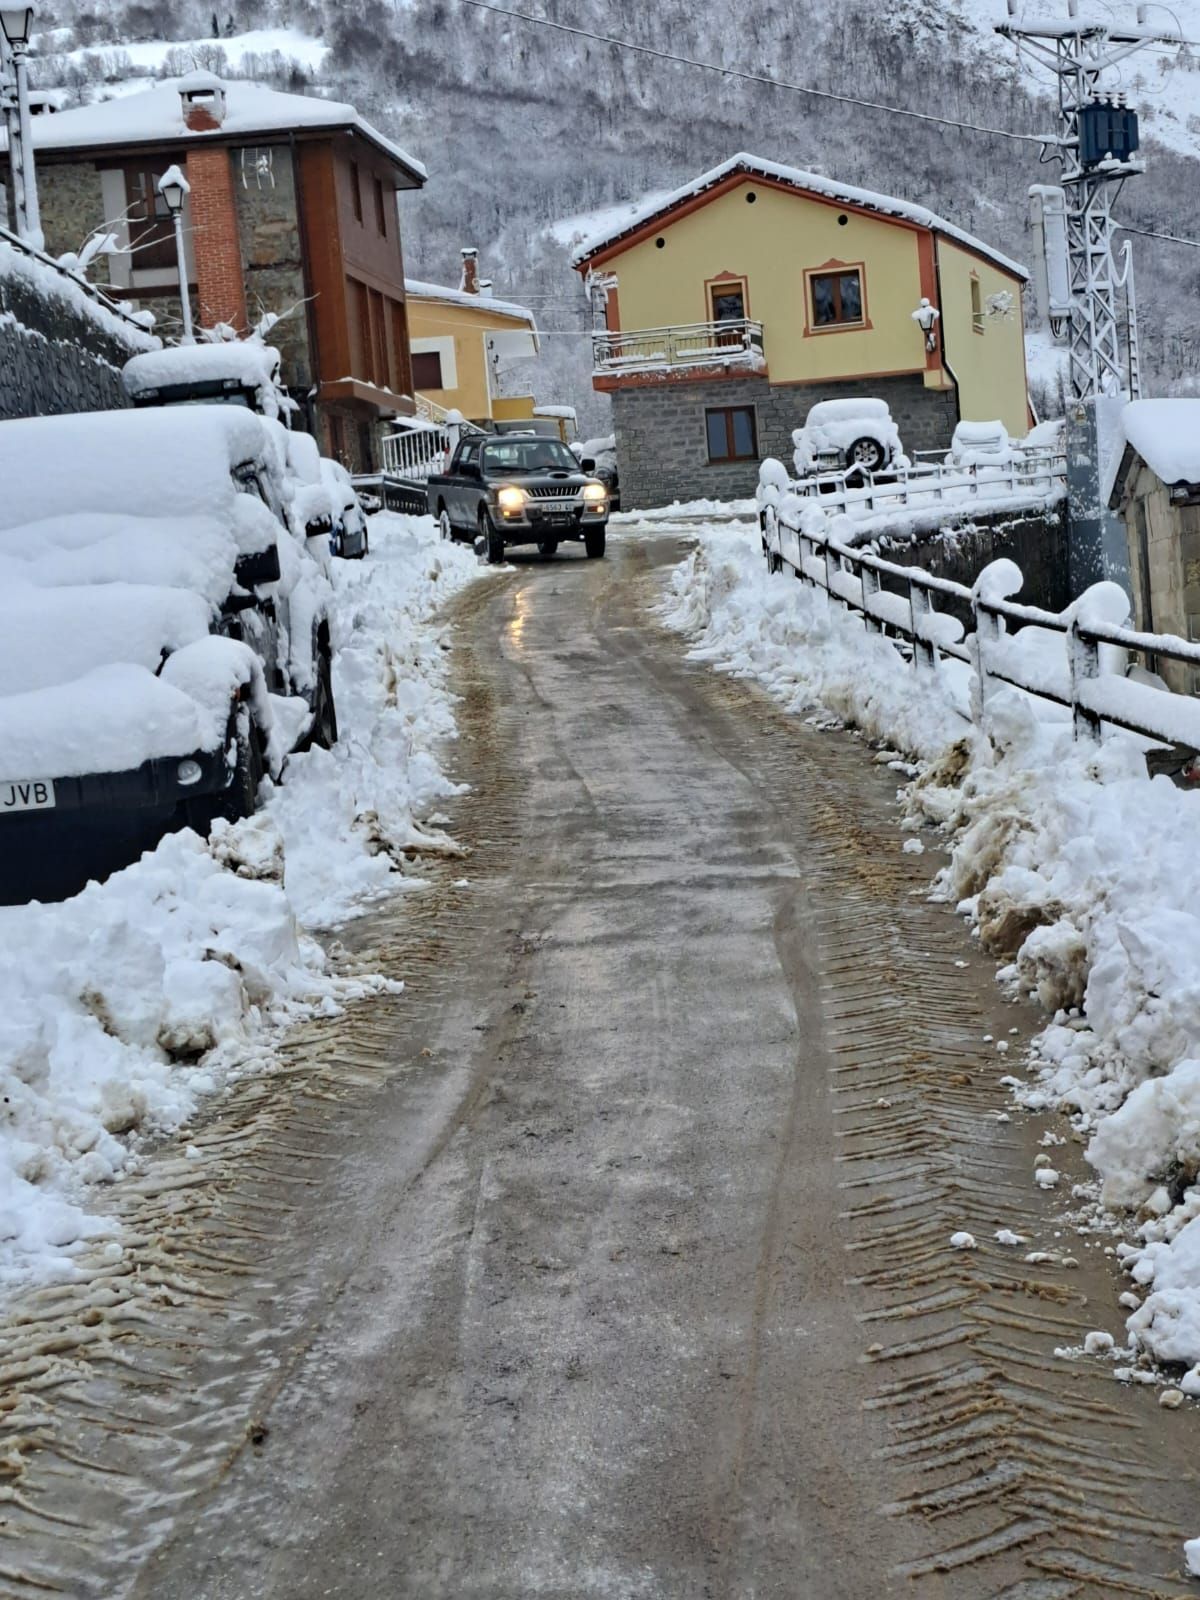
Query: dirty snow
(123, 1008)
(1039, 830)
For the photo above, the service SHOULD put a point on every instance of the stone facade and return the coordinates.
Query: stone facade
(269, 232)
(1164, 561)
(662, 448)
(59, 351)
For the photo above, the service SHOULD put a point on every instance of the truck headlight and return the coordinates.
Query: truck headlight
(511, 500)
(595, 494)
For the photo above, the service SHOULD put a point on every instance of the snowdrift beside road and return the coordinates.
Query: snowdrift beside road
(1069, 860)
(121, 1009)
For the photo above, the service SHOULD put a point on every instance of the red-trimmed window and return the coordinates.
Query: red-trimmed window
(732, 433)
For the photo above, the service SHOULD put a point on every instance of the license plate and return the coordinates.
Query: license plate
(34, 794)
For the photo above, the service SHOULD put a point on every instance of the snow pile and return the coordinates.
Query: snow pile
(1040, 828)
(980, 444)
(349, 815)
(32, 269)
(123, 1008)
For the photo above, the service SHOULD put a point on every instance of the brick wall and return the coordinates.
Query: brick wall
(662, 450)
(220, 286)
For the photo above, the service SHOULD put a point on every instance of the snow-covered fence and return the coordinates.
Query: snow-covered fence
(1033, 475)
(912, 607)
(736, 342)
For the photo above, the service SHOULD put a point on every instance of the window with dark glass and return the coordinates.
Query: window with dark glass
(356, 191)
(732, 434)
(151, 228)
(836, 297)
(380, 207)
(427, 369)
(728, 302)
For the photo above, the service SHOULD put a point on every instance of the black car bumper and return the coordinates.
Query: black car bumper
(535, 525)
(154, 786)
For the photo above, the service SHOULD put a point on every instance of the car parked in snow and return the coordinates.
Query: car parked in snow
(839, 435)
(505, 490)
(599, 457)
(164, 630)
(327, 505)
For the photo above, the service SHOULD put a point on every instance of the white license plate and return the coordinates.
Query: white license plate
(34, 794)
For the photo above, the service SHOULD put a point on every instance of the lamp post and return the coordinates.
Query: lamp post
(174, 188)
(926, 317)
(16, 23)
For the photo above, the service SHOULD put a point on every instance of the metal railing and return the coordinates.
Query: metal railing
(142, 335)
(696, 344)
(903, 603)
(417, 453)
(1027, 473)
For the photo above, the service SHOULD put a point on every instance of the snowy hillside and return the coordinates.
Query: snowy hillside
(531, 135)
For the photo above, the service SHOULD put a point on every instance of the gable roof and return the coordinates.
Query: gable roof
(415, 289)
(750, 166)
(155, 117)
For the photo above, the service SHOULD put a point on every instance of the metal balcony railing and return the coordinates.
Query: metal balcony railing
(696, 344)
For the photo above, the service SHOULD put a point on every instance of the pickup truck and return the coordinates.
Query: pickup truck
(502, 490)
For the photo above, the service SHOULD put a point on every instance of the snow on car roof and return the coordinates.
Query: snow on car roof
(254, 365)
(137, 462)
(416, 289)
(796, 178)
(156, 115)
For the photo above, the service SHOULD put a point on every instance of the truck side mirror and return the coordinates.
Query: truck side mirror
(261, 567)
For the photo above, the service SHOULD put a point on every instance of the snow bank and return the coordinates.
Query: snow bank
(123, 1008)
(1073, 865)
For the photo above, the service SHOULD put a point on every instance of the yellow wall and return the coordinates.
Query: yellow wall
(989, 366)
(771, 242)
(466, 325)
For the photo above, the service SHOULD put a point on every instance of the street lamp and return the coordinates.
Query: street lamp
(174, 188)
(16, 22)
(926, 317)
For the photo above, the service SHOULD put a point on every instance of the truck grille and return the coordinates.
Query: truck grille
(560, 497)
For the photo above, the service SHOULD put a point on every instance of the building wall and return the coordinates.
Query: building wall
(989, 364)
(662, 450)
(1171, 559)
(272, 263)
(770, 243)
(432, 322)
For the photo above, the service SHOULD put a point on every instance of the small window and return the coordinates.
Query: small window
(380, 207)
(427, 369)
(836, 298)
(728, 302)
(732, 434)
(356, 191)
(976, 306)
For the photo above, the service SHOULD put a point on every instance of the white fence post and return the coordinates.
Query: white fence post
(1083, 661)
(870, 587)
(920, 610)
(987, 628)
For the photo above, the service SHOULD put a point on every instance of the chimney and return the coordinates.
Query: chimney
(470, 272)
(202, 96)
(485, 288)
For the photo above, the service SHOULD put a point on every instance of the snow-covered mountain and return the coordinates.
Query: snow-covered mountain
(530, 133)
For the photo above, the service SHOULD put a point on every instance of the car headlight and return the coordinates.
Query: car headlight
(188, 773)
(511, 500)
(595, 493)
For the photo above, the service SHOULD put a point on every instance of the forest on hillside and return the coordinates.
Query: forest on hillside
(523, 126)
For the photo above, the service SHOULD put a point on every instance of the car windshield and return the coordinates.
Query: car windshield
(528, 455)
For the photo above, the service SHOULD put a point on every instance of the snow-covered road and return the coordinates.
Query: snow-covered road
(668, 1229)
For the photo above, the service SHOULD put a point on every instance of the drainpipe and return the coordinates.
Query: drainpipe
(937, 272)
(310, 314)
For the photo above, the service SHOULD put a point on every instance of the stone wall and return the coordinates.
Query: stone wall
(60, 351)
(269, 234)
(662, 448)
(1037, 542)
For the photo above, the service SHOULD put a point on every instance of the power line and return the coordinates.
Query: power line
(752, 77)
(1147, 233)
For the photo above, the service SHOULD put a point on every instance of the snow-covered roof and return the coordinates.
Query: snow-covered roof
(794, 177)
(1165, 433)
(417, 290)
(156, 116)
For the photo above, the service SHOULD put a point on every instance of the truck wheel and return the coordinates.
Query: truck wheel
(492, 539)
(547, 547)
(445, 526)
(866, 453)
(593, 543)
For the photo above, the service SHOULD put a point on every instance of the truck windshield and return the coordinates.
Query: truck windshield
(528, 455)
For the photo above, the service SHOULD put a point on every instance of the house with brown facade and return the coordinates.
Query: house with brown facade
(292, 210)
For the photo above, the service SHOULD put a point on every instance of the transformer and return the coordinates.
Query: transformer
(1107, 127)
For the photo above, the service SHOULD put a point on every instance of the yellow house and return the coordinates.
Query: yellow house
(460, 340)
(732, 306)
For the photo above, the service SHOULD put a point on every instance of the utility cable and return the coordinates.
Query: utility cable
(1147, 233)
(753, 77)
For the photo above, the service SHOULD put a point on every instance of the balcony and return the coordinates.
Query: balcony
(692, 349)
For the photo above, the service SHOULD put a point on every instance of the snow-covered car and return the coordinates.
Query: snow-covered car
(841, 434)
(164, 630)
(326, 505)
(980, 444)
(233, 372)
(599, 457)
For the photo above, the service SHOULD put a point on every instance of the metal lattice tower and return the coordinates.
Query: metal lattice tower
(1080, 52)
